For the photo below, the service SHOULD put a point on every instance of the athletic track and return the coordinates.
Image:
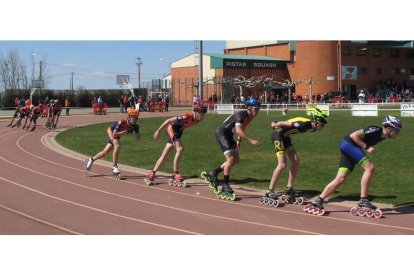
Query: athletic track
(43, 191)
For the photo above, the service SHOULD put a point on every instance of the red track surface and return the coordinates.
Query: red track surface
(43, 191)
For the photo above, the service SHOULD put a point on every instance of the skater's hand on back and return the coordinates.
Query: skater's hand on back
(371, 150)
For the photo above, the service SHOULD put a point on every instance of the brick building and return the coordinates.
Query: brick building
(322, 66)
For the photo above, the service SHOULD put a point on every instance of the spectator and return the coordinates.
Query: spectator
(67, 103)
(361, 96)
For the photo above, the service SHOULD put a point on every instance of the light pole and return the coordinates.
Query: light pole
(139, 63)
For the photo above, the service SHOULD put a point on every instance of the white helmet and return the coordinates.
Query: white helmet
(32, 106)
(392, 122)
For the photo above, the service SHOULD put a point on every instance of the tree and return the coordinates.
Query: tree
(241, 82)
(13, 71)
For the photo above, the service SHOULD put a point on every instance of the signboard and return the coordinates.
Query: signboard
(122, 79)
(258, 64)
(38, 83)
(349, 72)
(322, 107)
(407, 110)
(224, 108)
(365, 110)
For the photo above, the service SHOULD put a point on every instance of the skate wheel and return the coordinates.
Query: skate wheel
(378, 214)
(263, 200)
(184, 184)
(275, 203)
(306, 208)
(203, 174)
(170, 182)
(285, 198)
(321, 212)
(300, 200)
(232, 197)
(370, 213)
(315, 211)
(216, 191)
(361, 212)
(353, 211)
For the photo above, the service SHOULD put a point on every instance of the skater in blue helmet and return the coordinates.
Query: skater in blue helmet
(354, 148)
(282, 142)
(234, 124)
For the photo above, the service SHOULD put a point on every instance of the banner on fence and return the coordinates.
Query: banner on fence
(407, 109)
(311, 107)
(365, 110)
(224, 109)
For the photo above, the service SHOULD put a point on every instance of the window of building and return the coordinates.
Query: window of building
(412, 72)
(347, 51)
(410, 54)
(394, 53)
(376, 71)
(376, 52)
(403, 71)
(362, 70)
(362, 51)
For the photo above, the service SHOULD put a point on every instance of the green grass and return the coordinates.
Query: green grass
(393, 181)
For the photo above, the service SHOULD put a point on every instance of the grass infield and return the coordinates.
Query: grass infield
(393, 181)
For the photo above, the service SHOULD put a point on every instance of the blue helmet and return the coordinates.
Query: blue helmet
(252, 102)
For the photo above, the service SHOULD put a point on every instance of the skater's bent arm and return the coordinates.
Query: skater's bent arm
(243, 136)
(281, 124)
(357, 136)
(163, 125)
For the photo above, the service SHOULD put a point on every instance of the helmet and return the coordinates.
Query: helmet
(320, 116)
(32, 106)
(200, 109)
(133, 112)
(392, 122)
(252, 102)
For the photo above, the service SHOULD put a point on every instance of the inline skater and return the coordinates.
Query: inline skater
(16, 112)
(175, 127)
(234, 124)
(115, 132)
(354, 148)
(282, 142)
(24, 112)
(34, 114)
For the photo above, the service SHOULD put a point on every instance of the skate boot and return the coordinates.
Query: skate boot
(149, 179)
(366, 208)
(270, 198)
(292, 197)
(316, 207)
(226, 192)
(33, 128)
(116, 173)
(177, 180)
(87, 165)
(211, 179)
(9, 124)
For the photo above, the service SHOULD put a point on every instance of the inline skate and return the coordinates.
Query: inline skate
(292, 197)
(149, 179)
(211, 179)
(270, 198)
(87, 165)
(315, 208)
(177, 180)
(116, 173)
(366, 208)
(226, 192)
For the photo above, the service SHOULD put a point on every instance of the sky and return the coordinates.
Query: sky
(95, 64)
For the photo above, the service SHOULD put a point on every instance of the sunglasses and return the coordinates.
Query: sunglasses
(256, 108)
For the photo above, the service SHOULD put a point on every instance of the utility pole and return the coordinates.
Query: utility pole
(40, 77)
(200, 70)
(139, 63)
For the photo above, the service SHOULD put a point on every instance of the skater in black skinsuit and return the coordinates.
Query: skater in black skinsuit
(234, 124)
(354, 148)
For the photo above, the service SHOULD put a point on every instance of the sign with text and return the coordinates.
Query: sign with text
(365, 110)
(241, 63)
(349, 72)
(407, 110)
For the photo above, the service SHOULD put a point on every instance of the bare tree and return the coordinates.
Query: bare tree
(289, 84)
(311, 82)
(13, 71)
(241, 82)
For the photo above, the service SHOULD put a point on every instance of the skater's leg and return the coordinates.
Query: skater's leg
(294, 166)
(117, 148)
(232, 158)
(281, 165)
(178, 154)
(163, 157)
(108, 148)
(334, 184)
(369, 169)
